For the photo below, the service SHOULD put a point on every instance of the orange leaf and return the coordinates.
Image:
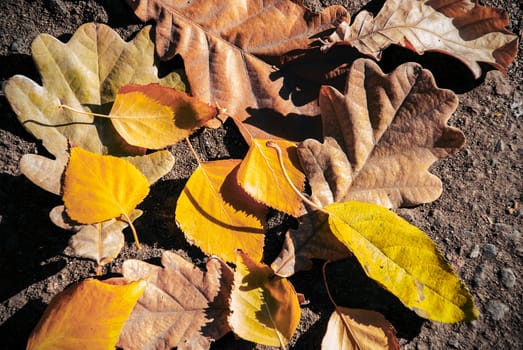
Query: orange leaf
(217, 215)
(88, 315)
(261, 176)
(154, 116)
(265, 308)
(99, 188)
(352, 329)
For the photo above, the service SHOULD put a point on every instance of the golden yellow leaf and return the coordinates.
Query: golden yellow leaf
(154, 116)
(87, 315)
(99, 188)
(261, 176)
(265, 308)
(403, 259)
(217, 215)
(356, 329)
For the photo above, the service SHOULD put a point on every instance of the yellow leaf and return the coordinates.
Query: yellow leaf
(403, 259)
(217, 215)
(88, 315)
(354, 329)
(261, 176)
(265, 308)
(154, 116)
(99, 188)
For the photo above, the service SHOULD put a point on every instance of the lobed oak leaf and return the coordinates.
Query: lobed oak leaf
(87, 315)
(155, 116)
(381, 137)
(99, 188)
(403, 259)
(461, 28)
(85, 73)
(352, 329)
(265, 308)
(101, 244)
(216, 214)
(222, 43)
(181, 307)
(261, 176)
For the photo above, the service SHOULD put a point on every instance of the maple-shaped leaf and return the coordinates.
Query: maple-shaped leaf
(403, 259)
(381, 136)
(155, 116)
(87, 315)
(99, 188)
(100, 243)
(461, 28)
(181, 307)
(261, 176)
(352, 329)
(265, 308)
(217, 215)
(221, 43)
(86, 74)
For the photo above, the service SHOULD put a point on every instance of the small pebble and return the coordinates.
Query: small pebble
(508, 278)
(453, 342)
(479, 276)
(500, 146)
(497, 309)
(490, 250)
(474, 253)
(15, 46)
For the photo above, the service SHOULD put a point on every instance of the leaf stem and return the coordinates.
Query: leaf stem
(193, 151)
(277, 148)
(135, 235)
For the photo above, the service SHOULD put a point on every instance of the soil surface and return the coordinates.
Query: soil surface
(476, 222)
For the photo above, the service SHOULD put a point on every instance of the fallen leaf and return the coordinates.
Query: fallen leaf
(387, 130)
(461, 28)
(86, 74)
(403, 259)
(99, 188)
(216, 214)
(154, 116)
(88, 242)
(87, 315)
(182, 306)
(221, 44)
(265, 308)
(354, 329)
(261, 176)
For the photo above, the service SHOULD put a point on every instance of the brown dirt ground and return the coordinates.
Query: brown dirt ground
(476, 222)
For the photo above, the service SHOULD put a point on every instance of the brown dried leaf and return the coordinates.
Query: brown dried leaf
(221, 42)
(182, 306)
(460, 28)
(392, 128)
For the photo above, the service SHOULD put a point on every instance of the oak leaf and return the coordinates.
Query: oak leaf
(403, 259)
(380, 138)
(85, 73)
(217, 215)
(222, 44)
(98, 188)
(101, 244)
(155, 116)
(261, 176)
(181, 307)
(352, 329)
(87, 315)
(265, 308)
(461, 28)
